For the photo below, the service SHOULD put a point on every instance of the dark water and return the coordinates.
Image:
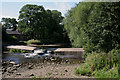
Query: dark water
(19, 57)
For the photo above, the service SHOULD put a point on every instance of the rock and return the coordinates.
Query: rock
(18, 74)
(66, 61)
(4, 64)
(55, 73)
(41, 66)
(18, 65)
(63, 74)
(4, 70)
(30, 67)
(32, 75)
(13, 63)
(52, 63)
(14, 68)
(9, 70)
(66, 70)
(48, 63)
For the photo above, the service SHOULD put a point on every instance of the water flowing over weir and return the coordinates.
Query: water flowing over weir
(63, 53)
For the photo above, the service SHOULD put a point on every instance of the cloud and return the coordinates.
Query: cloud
(60, 6)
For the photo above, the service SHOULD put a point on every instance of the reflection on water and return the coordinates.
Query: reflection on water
(19, 57)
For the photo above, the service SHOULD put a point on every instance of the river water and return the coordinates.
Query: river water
(19, 58)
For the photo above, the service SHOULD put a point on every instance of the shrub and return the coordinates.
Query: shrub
(83, 70)
(32, 41)
(112, 73)
(101, 60)
(101, 64)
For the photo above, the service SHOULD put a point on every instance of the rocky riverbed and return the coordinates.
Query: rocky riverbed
(47, 68)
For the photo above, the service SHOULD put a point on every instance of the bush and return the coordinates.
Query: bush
(83, 70)
(99, 63)
(101, 60)
(112, 73)
(32, 41)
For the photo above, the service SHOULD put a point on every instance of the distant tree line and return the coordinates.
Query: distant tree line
(40, 24)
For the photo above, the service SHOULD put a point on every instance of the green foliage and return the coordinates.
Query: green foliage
(17, 51)
(95, 25)
(24, 51)
(40, 24)
(101, 64)
(83, 70)
(112, 73)
(14, 37)
(32, 41)
(9, 23)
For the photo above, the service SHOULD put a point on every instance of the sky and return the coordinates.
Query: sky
(11, 8)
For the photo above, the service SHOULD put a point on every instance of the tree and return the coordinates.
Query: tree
(41, 24)
(10, 23)
(95, 24)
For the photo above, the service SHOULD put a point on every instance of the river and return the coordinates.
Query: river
(19, 58)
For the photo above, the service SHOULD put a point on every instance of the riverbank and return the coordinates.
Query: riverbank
(45, 69)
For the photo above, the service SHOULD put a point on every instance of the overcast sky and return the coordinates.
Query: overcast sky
(11, 8)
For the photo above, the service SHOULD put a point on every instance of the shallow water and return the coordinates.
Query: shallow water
(19, 58)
